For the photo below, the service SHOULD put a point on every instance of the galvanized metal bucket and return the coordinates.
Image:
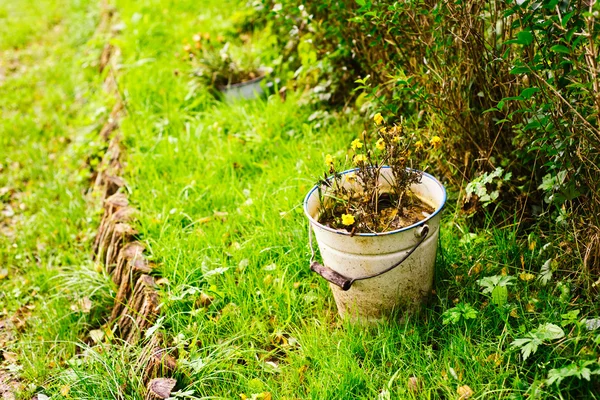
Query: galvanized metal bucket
(248, 90)
(373, 274)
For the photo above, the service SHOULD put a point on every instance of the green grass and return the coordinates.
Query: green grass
(219, 189)
(194, 159)
(51, 109)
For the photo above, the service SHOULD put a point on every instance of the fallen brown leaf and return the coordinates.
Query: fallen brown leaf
(465, 392)
(413, 384)
(205, 300)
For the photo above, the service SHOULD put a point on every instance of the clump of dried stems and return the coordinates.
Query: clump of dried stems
(376, 195)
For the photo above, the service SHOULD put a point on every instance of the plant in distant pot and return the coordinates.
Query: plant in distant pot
(235, 71)
(377, 224)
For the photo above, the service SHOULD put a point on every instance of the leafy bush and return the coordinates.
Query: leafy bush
(511, 85)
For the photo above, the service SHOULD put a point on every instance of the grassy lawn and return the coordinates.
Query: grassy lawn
(52, 106)
(219, 188)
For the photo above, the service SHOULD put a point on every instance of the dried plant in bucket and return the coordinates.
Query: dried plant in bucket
(366, 200)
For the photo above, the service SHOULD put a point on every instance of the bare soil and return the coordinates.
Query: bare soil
(386, 218)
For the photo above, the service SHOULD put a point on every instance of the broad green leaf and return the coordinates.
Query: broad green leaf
(500, 295)
(548, 182)
(520, 342)
(512, 98)
(451, 316)
(585, 374)
(549, 332)
(532, 125)
(536, 337)
(559, 48)
(569, 318)
(462, 310)
(579, 370)
(528, 346)
(525, 38)
(490, 282)
(469, 312)
(566, 18)
(493, 109)
(529, 92)
(519, 70)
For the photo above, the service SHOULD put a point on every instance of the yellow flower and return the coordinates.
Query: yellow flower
(329, 160)
(378, 118)
(359, 159)
(347, 219)
(351, 177)
(356, 144)
(380, 144)
(396, 139)
(436, 141)
(383, 130)
(526, 276)
(418, 145)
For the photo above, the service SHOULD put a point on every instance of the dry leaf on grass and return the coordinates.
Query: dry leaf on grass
(64, 390)
(413, 384)
(97, 335)
(465, 392)
(205, 300)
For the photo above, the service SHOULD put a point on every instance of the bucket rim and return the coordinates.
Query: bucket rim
(232, 86)
(406, 228)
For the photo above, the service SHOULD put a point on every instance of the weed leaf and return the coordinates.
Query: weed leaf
(157, 325)
(530, 344)
(579, 370)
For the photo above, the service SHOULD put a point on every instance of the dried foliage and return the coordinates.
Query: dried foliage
(368, 200)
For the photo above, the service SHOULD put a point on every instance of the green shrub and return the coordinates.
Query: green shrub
(510, 85)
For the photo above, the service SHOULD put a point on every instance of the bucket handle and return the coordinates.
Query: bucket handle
(344, 282)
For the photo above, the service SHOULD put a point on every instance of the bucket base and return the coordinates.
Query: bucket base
(395, 308)
(394, 316)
